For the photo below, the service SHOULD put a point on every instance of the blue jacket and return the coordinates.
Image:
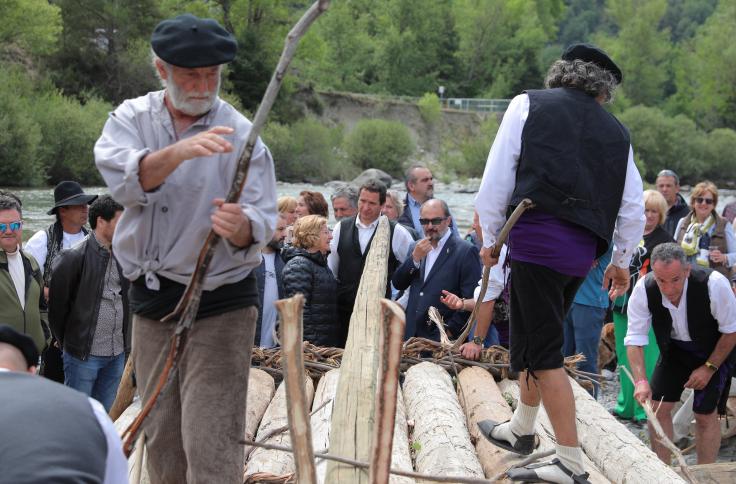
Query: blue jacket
(261, 280)
(457, 270)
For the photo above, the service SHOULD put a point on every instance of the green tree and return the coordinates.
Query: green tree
(31, 25)
(640, 48)
(381, 144)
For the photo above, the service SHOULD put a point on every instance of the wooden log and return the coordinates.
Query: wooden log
(320, 420)
(718, 473)
(400, 453)
(125, 393)
(482, 400)
(440, 440)
(297, 406)
(618, 453)
(274, 462)
(354, 410)
(261, 388)
(510, 390)
(122, 423)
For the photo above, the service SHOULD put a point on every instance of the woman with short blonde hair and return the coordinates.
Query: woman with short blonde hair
(306, 272)
(707, 238)
(287, 206)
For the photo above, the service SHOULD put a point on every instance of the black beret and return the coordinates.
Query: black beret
(24, 343)
(591, 53)
(189, 41)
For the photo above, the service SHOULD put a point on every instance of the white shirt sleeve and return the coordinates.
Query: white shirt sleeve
(116, 465)
(722, 302)
(36, 246)
(630, 221)
(401, 242)
(499, 176)
(730, 245)
(639, 317)
(495, 279)
(333, 259)
(677, 229)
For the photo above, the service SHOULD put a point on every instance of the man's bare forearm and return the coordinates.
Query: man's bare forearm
(723, 348)
(155, 167)
(636, 361)
(484, 318)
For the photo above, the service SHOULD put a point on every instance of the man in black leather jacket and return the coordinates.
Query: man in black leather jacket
(88, 312)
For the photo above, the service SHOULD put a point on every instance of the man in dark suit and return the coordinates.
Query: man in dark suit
(270, 285)
(440, 261)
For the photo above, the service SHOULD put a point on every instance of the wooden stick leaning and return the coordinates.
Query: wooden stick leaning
(520, 209)
(291, 311)
(661, 436)
(186, 309)
(390, 340)
(125, 393)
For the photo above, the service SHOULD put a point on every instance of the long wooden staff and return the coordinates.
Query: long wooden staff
(186, 310)
(520, 208)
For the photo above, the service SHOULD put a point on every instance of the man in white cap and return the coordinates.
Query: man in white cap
(169, 158)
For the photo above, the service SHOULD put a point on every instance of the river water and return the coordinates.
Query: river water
(37, 201)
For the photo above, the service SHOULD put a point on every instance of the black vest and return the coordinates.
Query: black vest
(701, 324)
(49, 433)
(574, 156)
(352, 263)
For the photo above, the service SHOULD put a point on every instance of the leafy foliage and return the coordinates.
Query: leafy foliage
(381, 144)
(429, 108)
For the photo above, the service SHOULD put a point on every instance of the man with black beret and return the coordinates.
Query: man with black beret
(81, 445)
(560, 148)
(169, 158)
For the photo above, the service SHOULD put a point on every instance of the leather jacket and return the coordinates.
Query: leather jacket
(75, 291)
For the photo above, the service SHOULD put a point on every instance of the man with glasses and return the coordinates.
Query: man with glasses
(668, 184)
(441, 261)
(351, 241)
(20, 276)
(71, 209)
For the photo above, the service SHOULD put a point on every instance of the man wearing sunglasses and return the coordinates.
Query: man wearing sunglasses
(439, 261)
(560, 148)
(20, 277)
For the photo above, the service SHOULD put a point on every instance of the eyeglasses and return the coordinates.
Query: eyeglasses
(707, 201)
(13, 226)
(433, 221)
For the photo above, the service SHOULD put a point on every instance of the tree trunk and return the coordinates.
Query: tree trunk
(441, 441)
(122, 423)
(546, 432)
(261, 388)
(400, 454)
(354, 410)
(275, 462)
(320, 421)
(619, 454)
(718, 473)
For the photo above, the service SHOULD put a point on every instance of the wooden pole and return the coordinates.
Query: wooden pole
(296, 400)
(126, 391)
(354, 413)
(391, 337)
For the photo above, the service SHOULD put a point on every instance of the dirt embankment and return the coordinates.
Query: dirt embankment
(346, 109)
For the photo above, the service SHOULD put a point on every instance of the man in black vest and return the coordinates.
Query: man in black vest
(79, 445)
(560, 148)
(696, 335)
(351, 240)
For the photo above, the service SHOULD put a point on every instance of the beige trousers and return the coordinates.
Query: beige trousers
(193, 432)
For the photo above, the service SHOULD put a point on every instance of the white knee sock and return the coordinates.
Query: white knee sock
(522, 423)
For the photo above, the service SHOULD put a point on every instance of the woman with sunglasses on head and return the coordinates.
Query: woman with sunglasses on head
(707, 238)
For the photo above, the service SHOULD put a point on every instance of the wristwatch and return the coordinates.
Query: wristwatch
(711, 366)
(478, 340)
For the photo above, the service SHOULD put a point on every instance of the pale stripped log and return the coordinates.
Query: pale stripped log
(354, 410)
(261, 388)
(441, 440)
(273, 462)
(320, 420)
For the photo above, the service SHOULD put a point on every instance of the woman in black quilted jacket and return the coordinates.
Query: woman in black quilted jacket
(306, 272)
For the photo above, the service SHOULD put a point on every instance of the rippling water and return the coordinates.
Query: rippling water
(36, 202)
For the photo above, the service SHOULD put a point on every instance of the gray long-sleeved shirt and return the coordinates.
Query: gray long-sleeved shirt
(162, 231)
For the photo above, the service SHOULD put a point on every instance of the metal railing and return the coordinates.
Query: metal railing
(478, 105)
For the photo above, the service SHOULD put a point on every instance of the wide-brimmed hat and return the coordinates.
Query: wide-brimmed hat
(24, 343)
(70, 193)
(591, 53)
(190, 41)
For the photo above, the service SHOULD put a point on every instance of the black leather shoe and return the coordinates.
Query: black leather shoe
(524, 445)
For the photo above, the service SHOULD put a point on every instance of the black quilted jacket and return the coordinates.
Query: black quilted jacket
(308, 274)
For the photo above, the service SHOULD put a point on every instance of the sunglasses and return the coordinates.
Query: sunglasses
(707, 201)
(13, 226)
(433, 221)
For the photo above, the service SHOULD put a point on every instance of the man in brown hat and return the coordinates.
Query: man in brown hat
(169, 157)
(71, 208)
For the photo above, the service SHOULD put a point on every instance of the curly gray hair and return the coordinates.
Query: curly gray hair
(585, 76)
